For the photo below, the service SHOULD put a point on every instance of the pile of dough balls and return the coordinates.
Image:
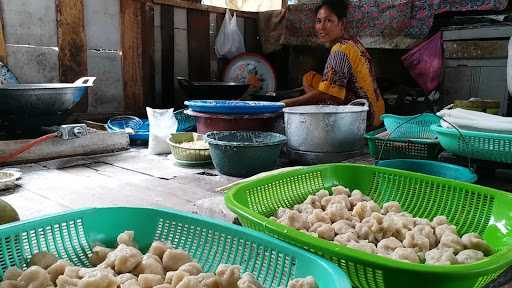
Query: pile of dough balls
(353, 219)
(126, 267)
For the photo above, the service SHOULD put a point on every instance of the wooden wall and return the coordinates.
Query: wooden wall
(135, 48)
(187, 33)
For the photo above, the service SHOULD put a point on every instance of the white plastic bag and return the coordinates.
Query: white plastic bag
(162, 123)
(229, 42)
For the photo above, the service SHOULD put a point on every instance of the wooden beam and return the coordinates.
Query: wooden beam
(214, 67)
(131, 46)
(284, 4)
(198, 23)
(72, 45)
(198, 6)
(3, 49)
(148, 53)
(167, 32)
(252, 43)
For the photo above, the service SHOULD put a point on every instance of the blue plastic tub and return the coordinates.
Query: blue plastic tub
(186, 123)
(234, 107)
(439, 169)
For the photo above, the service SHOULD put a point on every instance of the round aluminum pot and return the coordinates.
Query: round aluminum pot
(326, 128)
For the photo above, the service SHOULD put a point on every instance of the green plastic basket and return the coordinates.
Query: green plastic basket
(424, 149)
(188, 154)
(410, 127)
(470, 207)
(210, 243)
(477, 145)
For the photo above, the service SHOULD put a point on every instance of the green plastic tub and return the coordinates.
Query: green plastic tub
(470, 207)
(244, 153)
(210, 243)
(425, 149)
(477, 145)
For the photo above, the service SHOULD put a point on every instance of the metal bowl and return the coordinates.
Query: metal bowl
(42, 99)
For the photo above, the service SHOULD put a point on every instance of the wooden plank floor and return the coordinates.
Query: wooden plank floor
(131, 178)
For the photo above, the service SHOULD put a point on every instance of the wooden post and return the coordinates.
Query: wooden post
(131, 46)
(148, 53)
(137, 45)
(72, 44)
(167, 32)
(3, 49)
(198, 45)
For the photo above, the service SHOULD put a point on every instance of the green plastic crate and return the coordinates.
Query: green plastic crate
(477, 145)
(210, 243)
(423, 149)
(470, 207)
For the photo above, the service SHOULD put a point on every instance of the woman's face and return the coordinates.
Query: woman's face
(328, 26)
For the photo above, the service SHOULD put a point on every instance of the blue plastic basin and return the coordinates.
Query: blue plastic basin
(439, 169)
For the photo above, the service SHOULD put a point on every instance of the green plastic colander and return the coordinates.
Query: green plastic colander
(393, 148)
(470, 207)
(476, 144)
(70, 235)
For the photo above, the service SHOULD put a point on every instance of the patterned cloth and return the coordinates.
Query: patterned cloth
(378, 23)
(349, 75)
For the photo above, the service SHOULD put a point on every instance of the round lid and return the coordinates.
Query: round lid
(325, 109)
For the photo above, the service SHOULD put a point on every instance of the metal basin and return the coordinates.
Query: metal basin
(212, 90)
(325, 128)
(42, 99)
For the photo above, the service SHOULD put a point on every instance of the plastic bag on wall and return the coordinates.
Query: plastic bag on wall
(229, 42)
(425, 62)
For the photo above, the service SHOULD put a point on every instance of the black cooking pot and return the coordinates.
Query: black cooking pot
(212, 90)
(278, 95)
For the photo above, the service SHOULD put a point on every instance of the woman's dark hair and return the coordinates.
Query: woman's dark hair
(338, 7)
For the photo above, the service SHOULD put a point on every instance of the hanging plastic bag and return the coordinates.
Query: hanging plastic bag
(161, 124)
(229, 42)
(425, 62)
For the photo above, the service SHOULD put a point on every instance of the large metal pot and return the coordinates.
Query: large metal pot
(42, 99)
(325, 128)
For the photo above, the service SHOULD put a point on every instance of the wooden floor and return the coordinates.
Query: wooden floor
(134, 178)
(131, 178)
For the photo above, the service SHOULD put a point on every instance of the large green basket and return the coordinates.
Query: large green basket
(210, 243)
(472, 208)
(475, 144)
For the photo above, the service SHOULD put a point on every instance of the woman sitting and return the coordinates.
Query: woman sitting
(348, 73)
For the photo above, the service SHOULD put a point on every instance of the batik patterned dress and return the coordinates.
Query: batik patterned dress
(349, 75)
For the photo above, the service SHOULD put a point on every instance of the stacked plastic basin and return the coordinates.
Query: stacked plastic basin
(238, 134)
(223, 115)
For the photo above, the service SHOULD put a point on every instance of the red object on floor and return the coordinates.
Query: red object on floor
(13, 155)
(222, 122)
